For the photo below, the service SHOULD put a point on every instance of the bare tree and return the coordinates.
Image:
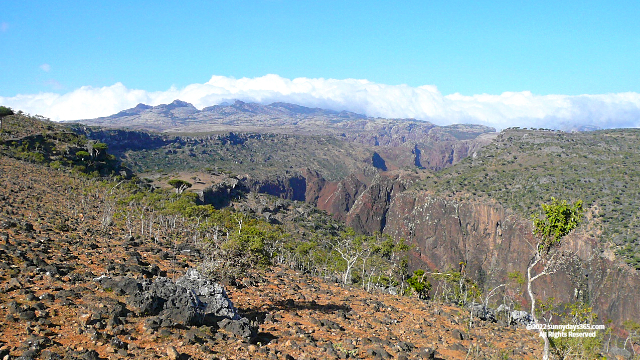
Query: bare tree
(634, 334)
(351, 248)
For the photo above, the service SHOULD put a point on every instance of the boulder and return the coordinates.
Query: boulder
(191, 300)
(519, 317)
(482, 312)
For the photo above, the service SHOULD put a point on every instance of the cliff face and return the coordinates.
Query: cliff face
(494, 243)
(292, 188)
(337, 197)
(444, 154)
(369, 211)
(445, 231)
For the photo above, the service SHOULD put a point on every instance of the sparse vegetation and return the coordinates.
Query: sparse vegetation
(38, 140)
(4, 111)
(259, 155)
(559, 219)
(420, 284)
(523, 168)
(235, 245)
(577, 347)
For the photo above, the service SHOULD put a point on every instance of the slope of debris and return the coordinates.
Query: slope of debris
(72, 289)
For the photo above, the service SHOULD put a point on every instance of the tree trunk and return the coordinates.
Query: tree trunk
(543, 333)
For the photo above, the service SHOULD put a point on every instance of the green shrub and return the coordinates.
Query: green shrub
(419, 284)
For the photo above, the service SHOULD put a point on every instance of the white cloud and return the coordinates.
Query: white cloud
(45, 67)
(522, 109)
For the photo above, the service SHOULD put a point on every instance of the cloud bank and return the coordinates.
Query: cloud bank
(523, 109)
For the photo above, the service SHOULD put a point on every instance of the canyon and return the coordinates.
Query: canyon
(369, 173)
(492, 241)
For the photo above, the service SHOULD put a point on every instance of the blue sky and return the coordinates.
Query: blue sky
(537, 48)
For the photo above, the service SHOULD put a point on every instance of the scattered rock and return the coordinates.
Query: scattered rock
(378, 353)
(405, 346)
(172, 353)
(482, 312)
(458, 335)
(427, 353)
(118, 344)
(241, 328)
(620, 353)
(519, 317)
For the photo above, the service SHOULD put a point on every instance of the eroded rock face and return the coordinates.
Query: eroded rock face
(315, 183)
(440, 155)
(221, 194)
(493, 242)
(488, 238)
(337, 198)
(369, 212)
(292, 188)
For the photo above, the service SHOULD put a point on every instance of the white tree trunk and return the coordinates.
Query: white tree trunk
(545, 351)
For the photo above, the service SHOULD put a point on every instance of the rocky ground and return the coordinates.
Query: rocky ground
(69, 289)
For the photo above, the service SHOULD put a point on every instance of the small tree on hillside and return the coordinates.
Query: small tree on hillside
(179, 185)
(82, 155)
(559, 220)
(4, 111)
(633, 334)
(98, 150)
(351, 248)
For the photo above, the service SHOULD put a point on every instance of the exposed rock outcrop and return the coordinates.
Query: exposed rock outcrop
(492, 242)
(220, 195)
(369, 212)
(189, 301)
(337, 198)
(292, 188)
(440, 155)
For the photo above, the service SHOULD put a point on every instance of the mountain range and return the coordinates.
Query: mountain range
(183, 117)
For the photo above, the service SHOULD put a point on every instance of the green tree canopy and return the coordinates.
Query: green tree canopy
(559, 219)
(5, 111)
(179, 185)
(82, 155)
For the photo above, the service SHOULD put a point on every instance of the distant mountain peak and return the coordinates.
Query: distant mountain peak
(238, 115)
(178, 104)
(138, 109)
(142, 106)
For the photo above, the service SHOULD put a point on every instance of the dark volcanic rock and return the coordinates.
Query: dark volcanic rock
(220, 195)
(211, 295)
(241, 327)
(291, 188)
(189, 301)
